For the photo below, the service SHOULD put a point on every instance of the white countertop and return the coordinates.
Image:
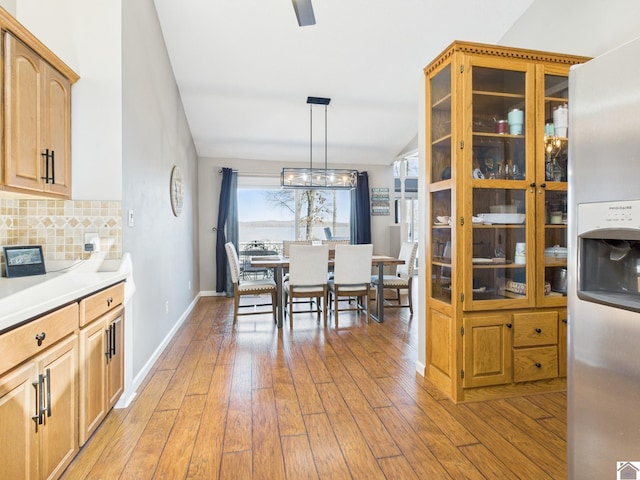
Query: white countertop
(23, 298)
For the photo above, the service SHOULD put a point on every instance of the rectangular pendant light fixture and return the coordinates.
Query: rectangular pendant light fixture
(318, 178)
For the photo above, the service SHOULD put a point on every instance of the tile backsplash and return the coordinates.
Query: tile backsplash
(60, 226)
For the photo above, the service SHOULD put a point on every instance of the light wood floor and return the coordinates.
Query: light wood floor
(256, 402)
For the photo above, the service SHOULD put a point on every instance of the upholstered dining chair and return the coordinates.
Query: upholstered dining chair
(286, 245)
(308, 266)
(403, 279)
(242, 287)
(351, 277)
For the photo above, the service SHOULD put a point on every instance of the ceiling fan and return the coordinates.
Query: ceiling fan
(304, 12)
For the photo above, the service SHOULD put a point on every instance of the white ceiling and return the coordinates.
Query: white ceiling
(245, 68)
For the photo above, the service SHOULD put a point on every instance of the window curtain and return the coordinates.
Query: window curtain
(227, 228)
(361, 211)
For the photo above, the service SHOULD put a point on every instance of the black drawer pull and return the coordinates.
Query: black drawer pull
(538, 330)
(539, 365)
(40, 338)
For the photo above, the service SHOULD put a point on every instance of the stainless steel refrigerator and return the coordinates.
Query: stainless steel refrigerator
(604, 267)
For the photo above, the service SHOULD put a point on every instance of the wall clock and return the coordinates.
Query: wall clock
(176, 190)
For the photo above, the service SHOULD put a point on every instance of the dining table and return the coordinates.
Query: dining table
(280, 264)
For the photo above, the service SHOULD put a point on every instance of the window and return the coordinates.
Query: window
(407, 202)
(267, 214)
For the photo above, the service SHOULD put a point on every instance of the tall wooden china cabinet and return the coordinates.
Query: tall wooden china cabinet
(496, 152)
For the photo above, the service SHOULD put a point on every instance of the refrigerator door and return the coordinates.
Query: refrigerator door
(603, 418)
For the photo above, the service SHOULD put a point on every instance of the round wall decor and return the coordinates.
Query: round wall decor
(176, 190)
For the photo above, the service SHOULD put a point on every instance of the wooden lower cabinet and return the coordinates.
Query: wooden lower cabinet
(511, 353)
(101, 358)
(487, 350)
(38, 414)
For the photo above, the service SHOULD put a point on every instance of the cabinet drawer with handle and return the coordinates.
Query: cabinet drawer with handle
(31, 338)
(100, 303)
(535, 328)
(535, 363)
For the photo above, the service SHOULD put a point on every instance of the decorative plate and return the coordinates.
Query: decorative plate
(176, 190)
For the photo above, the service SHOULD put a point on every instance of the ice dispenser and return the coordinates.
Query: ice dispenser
(609, 253)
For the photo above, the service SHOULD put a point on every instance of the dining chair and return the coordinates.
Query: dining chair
(286, 245)
(332, 245)
(242, 287)
(351, 277)
(308, 266)
(403, 278)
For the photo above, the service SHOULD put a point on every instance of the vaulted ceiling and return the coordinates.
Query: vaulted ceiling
(244, 69)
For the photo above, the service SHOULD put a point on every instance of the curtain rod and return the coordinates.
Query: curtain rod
(254, 173)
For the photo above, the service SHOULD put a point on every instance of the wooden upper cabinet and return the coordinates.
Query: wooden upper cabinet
(37, 122)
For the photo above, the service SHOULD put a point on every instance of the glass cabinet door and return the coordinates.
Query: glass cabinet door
(552, 192)
(441, 186)
(497, 171)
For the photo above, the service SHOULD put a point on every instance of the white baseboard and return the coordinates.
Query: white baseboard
(138, 379)
(421, 369)
(211, 293)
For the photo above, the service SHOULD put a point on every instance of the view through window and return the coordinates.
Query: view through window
(268, 215)
(407, 211)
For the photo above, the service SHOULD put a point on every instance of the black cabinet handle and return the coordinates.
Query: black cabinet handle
(49, 156)
(564, 320)
(53, 167)
(532, 185)
(539, 365)
(113, 339)
(538, 330)
(40, 338)
(543, 185)
(509, 325)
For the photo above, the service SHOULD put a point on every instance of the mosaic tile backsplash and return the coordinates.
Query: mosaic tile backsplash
(60, 226)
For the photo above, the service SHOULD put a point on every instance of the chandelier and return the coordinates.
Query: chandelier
(318, 178)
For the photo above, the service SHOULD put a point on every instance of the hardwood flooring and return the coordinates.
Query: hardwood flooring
(254, 402)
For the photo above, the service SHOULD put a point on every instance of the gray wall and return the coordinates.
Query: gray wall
(164, 248)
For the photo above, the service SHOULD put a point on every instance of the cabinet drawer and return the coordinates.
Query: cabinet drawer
(535, 363)
(19, 344)
(536, 328)
(100, 303)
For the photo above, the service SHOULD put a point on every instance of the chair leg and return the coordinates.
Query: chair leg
(236, 306)
(290, 311)
(410, 302)
(335, 308)
(274, 302)
(325, 307)
(366, 298)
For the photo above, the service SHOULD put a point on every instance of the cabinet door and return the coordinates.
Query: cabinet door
(59, 434)
(551, 180)
(439, 133)
(93, 377)
(116, 361)
(562, 344)
(56, 125)
(24, 166)
(37, 121)
(496, 174)
(18, 440)
(487, 350)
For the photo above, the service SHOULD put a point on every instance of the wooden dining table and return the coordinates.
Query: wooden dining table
(280, 263)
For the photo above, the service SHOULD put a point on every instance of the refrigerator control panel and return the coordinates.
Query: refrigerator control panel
(623, 214)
